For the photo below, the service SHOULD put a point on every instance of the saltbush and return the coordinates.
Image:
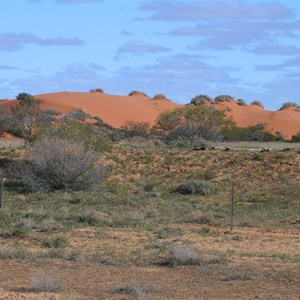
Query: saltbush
(159, 96)
(288, 105)
(223, 98)
(258, 103)
(97, 90)
(77, 115)
(194, 186)
(241, 102)
(200, 99)
(57, 164)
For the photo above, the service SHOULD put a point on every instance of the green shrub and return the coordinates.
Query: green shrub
(258, 103)
(97, 90)
(131, 129)
(192, 124)
(77, 115)
(27, 100)
(137, 93)
(223, 98)
(60, 241)
(288, 105)
(296, 138)
(52, 112)
(194, 186)
(159, 97)
(241, 102)
(5, 120)
(251, 133)
(200, 99)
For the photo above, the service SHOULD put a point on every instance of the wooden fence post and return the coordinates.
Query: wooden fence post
(232, 205)
(1, 189)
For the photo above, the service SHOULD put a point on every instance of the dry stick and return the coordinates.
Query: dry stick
(1, 190)
(232, 205)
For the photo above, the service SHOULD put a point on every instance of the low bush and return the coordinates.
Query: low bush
(183, 256)
(223, 98)
(288, 105)
(296, 138)
(194, 186)
(60, 241)
(52, 112)
(241, 102)
(77, 115)
(200, 99)
(159, 96)
(97, 90)
(56, 164)
(258, 103)
(137, 93)
(131, 129)
(47, 282)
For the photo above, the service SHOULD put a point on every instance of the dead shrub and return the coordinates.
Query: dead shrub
(47, 282)
(56, 164)
(182, 256)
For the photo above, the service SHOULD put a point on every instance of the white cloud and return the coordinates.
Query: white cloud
(210, 10)
(141, 47)
(15, 41)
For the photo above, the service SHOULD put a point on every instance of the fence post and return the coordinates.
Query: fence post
(232, 205)
(1, 189)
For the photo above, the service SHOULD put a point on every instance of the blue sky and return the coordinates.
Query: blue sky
(247, 49)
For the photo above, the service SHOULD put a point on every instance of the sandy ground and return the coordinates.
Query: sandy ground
(254, 268)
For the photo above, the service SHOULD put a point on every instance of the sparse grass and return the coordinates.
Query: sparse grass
(136, 291)
(60, 241)
(236, 275)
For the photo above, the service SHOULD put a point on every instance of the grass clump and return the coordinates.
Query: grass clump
(60, 241)
(199, 187)
(137, 291)
(47, 282)
(183, 256)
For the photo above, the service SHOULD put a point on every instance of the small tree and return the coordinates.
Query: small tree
(27, 113)
(56, 164)
(26, 100)
(192, 124)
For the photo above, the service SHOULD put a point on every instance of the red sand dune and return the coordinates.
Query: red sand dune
(287, 121)
(116, 110)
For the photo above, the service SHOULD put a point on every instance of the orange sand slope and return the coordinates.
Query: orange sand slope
(287, 121)
(114, 110)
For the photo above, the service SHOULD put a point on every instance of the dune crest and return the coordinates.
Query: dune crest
(115, 110)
